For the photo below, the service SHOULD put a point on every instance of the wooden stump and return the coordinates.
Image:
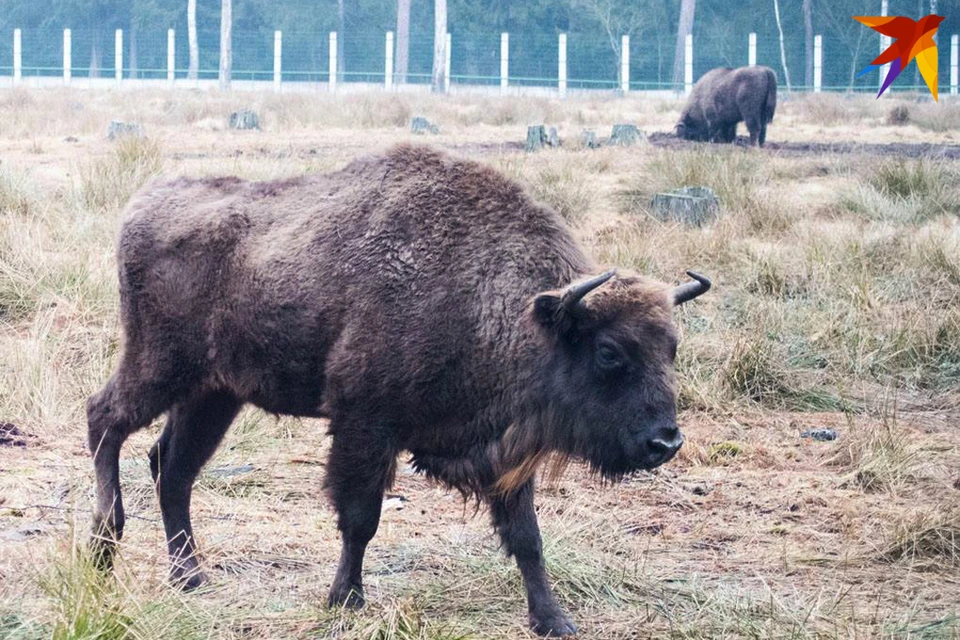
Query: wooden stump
(588, 140)
(117, 129)
(538, 137)
(422, 126)
(690, 205)
(625, 135)
(245, 119)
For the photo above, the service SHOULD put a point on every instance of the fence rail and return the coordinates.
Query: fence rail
(521, 61)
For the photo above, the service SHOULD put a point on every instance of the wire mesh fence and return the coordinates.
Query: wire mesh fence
(592, 61)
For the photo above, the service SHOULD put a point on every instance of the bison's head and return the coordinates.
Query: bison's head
(690, 129)
(609, 387)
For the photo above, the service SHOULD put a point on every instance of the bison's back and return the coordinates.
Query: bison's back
(402, 276)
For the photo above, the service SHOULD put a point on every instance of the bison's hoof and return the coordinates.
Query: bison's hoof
(188, 580)
(102, 549)
(348, 596)
(552, 624)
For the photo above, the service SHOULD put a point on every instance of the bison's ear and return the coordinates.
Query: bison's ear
(559, 310)
(548, 310)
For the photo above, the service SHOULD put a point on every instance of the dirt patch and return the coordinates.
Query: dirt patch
(900, 149)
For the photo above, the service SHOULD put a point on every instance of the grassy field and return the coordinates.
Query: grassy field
(836, 304)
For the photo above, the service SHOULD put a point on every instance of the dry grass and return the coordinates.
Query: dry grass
(837, 282)
(928, 540)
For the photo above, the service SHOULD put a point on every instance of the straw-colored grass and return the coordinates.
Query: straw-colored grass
(837, 282)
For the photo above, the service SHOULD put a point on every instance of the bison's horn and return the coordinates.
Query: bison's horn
(573, 294)
(689, 291)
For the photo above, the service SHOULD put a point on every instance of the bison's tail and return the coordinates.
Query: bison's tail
(771, 103)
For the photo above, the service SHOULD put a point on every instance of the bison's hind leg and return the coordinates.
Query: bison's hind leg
(756, 129)
(193, 431)
(123, 406)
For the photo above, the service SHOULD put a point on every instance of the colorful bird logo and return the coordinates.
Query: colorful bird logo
(912, 40)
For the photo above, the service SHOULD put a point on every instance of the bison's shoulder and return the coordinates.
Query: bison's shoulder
(170, 216)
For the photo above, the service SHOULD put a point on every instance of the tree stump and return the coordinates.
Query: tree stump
(422, 126)
(245, 119)
(625, 135)
(118, 129)
(695, 206)
(538, 137)
(588, 140)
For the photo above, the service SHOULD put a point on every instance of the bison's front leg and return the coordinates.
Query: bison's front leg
(359, 470)
(515, 519)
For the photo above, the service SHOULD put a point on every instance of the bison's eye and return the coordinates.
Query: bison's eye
(609, 357)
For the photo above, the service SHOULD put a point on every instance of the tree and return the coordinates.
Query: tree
(618, 19)
(783, 50)
(439, 45)
(192, 39)
(226, 42)
(403, 40)
(808, 43)
(341, 24)
(845, 30)
(684, 28)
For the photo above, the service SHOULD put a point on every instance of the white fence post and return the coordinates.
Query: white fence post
(817, 64)
(118, 54)
(67, 56)
(17, 56)
(388, 62)
(954, 63)
(562, 65)
(333, 62)
(171, 55)
(752, 50)
(625, 64)
(277, 59)
(688, 64)
(446, 64)
(504, 61)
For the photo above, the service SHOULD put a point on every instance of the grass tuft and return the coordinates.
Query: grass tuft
(110, 181)
(899, 115)
(15, 197)
(878, 456)
(929, 539)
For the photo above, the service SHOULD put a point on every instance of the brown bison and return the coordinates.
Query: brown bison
(722, 98)
(421, 303)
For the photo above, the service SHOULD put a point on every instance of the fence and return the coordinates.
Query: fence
(512, 62)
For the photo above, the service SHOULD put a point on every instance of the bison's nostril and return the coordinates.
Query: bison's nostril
(664, 447)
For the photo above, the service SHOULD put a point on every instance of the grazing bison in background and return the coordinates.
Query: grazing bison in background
(722, 98)
(421, 303)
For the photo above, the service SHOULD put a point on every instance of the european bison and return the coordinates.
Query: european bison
(421, 303)
(722, 98)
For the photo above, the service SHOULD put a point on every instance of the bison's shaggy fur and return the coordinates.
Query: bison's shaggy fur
(421, 304)
(722, 98)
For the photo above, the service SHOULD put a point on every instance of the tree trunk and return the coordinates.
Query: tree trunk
(684, 27)
(341, 22)
(439, 44)
(192, 39)
(783, 51)
(226, 42)
(132, 64)
(808, 43)
(403, 40)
